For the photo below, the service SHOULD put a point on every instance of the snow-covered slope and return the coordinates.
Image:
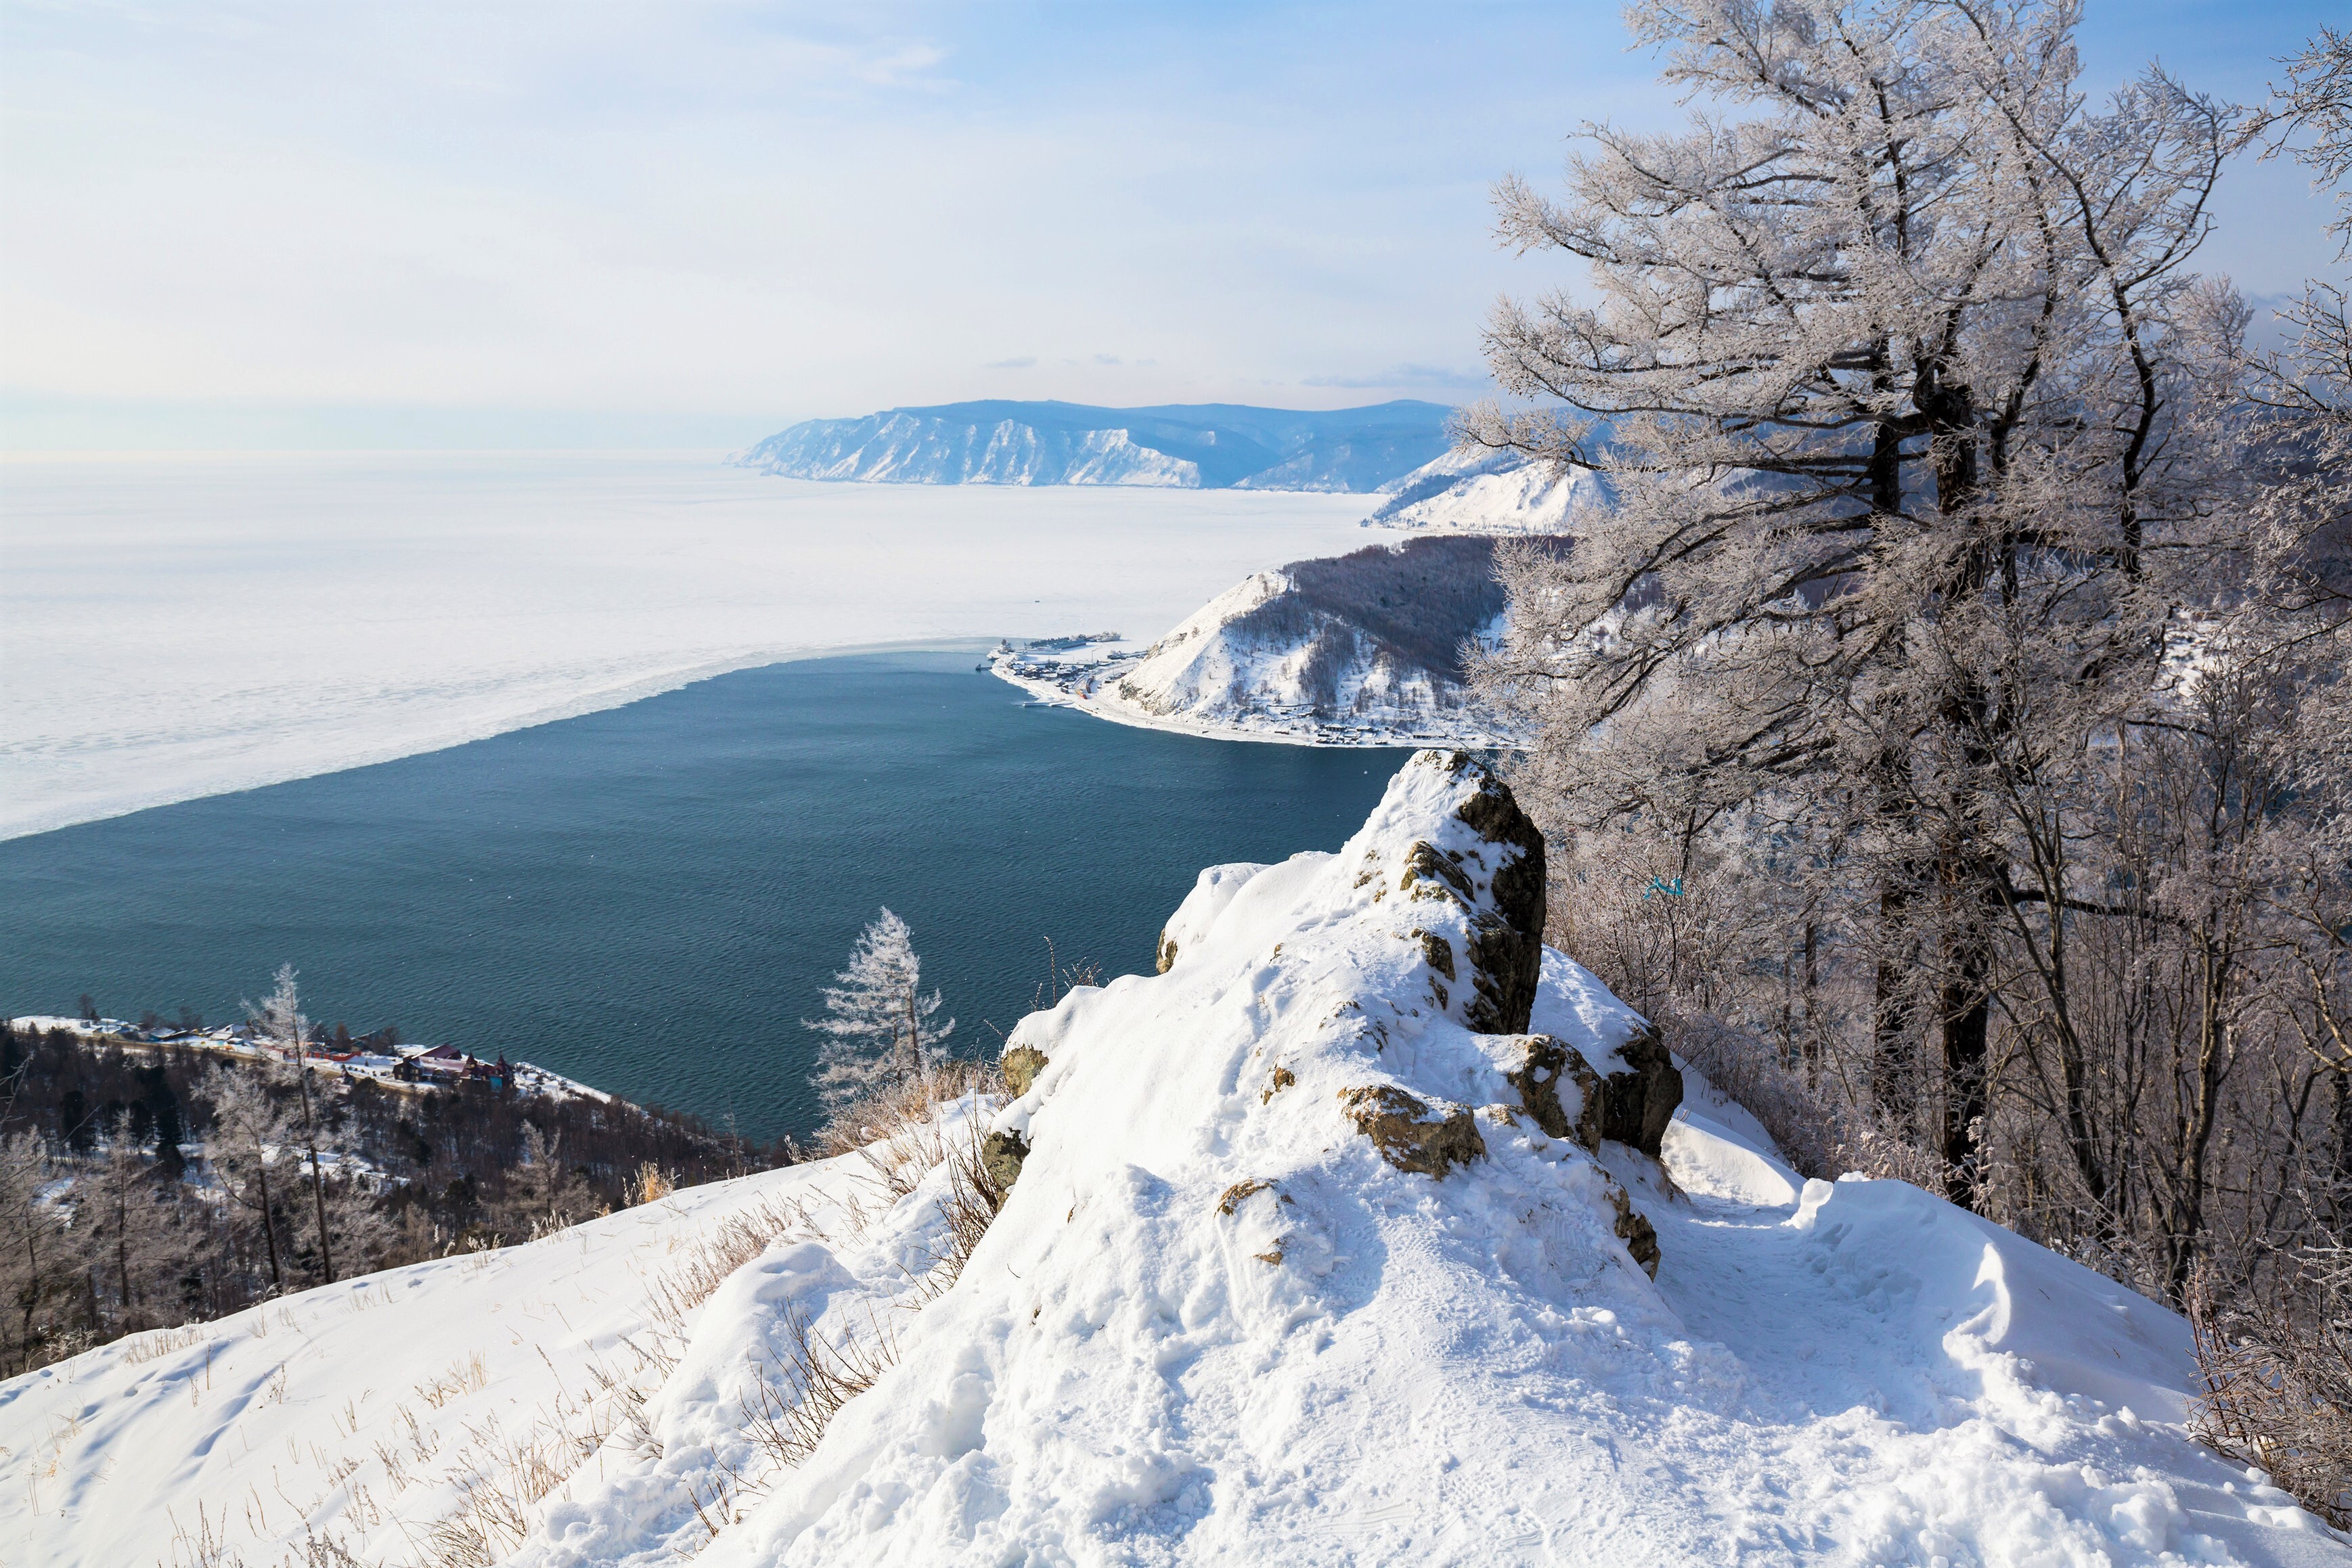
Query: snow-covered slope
(1326, 1246)
(1363, 649)
(1190, 447)
(1483, 492)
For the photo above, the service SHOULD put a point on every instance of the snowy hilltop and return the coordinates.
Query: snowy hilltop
(1369, 1230)
(1363, 649)
(1479, 491)
(1195, 446)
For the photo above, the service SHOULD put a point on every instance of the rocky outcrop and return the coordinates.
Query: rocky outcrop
(1001, 1155)
(1380, 1000)
(1640, 1237)
(1021, 1065)
(1639, 1102)
(1559, 1088)
(1411, 1134)
(1568, 1098)
(1507, 950)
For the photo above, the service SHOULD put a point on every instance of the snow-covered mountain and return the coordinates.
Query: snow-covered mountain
(1362, 649)
(1483, 492)
(1180, 445)
(1368, 1231)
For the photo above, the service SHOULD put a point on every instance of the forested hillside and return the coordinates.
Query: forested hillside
(143, 1187)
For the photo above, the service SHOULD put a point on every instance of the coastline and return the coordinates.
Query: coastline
(1083, 689)
(580, 704)
(176, 627)
(380, 1068)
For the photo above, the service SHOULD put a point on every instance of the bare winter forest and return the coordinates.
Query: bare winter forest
(142, 1186)
(1947, 732)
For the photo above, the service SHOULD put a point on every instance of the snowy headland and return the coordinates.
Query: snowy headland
(1363, 649)
(1370, 1230)
(179, 626)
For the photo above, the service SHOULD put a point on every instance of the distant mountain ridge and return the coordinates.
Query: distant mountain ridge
(1192, 446)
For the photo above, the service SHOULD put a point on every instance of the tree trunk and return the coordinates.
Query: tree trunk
(1967, 1092)
(311, 1143)
(122, 1243)
(269, 1222)
(1893, 1015)
(2186, 1231)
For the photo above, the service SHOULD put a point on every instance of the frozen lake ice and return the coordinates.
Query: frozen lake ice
(176, 626)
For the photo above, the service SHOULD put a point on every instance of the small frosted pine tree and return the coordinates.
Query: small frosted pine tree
(878, 1026)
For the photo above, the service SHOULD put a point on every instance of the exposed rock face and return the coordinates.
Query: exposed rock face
(1640, 1101)
(1022, 1064)
(1165, 958)
(1568, 1099)
(1435, 951)
(1412, 1135)
(1506, 946)
(1640, 1237)
(1001, 1155)
(1551, 1079)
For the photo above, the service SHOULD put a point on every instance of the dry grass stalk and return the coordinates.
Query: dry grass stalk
(649, 1185)
(793, 1404)
(501, 1479)
(971, 1206)
(904, 1111)
(463, 1377)
(158, 1343)
(207, 1546)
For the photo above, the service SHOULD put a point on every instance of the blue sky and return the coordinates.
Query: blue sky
(297, 224)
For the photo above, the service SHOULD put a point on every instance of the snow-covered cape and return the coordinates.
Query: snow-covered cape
(1327, 1245)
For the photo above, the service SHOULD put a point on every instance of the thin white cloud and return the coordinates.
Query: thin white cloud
(800, 208)
(1436, 377)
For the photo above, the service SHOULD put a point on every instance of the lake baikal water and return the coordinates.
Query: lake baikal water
(651, 898)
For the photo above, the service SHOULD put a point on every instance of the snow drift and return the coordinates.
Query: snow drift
(1330, 1243)
(1184, 446)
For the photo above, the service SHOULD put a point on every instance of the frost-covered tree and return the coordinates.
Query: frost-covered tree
(33, 1255)
(546, 1183)
(878, 1028)
(2310, 118)
(1904, 395)
(248, 1129)
(280, 1018)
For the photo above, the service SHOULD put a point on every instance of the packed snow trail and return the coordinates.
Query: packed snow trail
(1292, 1270)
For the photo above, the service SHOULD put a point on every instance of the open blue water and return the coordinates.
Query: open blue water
(649, 899)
